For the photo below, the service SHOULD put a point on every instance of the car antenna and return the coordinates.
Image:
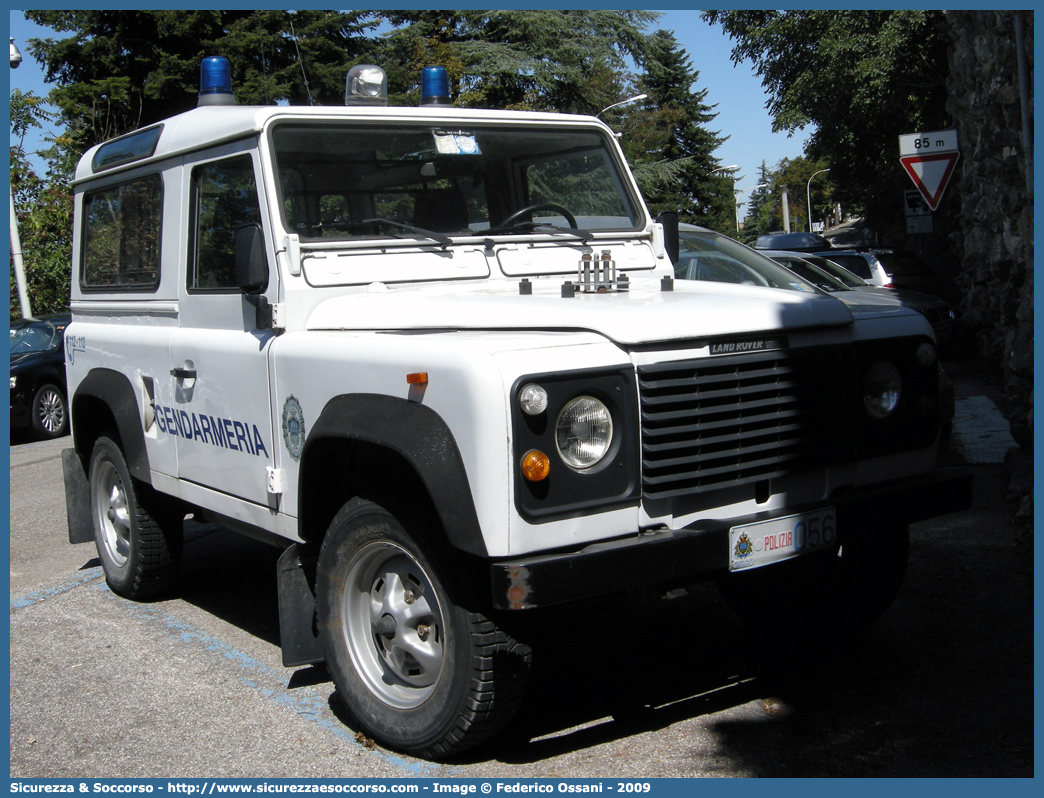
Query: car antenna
(300, 61)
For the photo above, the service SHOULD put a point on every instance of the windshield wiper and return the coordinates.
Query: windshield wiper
(439, 237)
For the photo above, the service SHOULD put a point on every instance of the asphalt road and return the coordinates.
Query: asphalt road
(193, 686)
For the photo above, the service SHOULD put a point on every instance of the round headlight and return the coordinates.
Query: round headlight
(584, 432)
(925, 354)
(882, 387)
(532, 399)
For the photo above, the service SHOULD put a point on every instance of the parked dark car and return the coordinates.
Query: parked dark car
(38, 394)
(794, 242)
(892, 268)
(707, 255)
(822, 272)
(909, 271)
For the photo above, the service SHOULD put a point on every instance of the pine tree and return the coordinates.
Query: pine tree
(671, 129)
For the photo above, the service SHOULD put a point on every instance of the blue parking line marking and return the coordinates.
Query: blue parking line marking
(86, 577)
(309, 705)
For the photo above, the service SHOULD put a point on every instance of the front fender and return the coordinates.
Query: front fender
(419, 436)
(113, 390)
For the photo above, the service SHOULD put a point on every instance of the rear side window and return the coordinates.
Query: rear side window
(121, 243)
(224, 199)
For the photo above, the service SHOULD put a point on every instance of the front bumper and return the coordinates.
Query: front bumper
(702, 550)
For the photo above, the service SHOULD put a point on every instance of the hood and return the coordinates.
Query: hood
(870, 306)
(21, 360)
(643, 314)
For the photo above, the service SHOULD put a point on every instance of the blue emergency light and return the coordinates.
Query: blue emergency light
(215, 81)
(434, 86)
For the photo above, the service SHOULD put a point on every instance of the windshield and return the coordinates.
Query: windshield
(705, 255)
(349, 181)
(805, 269)
(836, 271)
(37, 336)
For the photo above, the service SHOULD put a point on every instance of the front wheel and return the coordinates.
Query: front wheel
(419, 672)
(138, 532)
(50, 415)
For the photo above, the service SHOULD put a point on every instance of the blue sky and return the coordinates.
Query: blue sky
(735, 91)
(738, 96)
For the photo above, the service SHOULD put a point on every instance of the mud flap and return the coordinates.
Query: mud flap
(298, 633)
(77, 498)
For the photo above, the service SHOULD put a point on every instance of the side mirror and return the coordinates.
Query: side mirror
(669, 220)
(251, 260)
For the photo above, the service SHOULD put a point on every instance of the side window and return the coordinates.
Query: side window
(121, 242)
(224, 199)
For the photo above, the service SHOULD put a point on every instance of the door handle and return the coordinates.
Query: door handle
(183, 373)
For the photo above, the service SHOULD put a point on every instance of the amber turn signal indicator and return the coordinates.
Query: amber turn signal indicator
(417, 378)
(535, 466)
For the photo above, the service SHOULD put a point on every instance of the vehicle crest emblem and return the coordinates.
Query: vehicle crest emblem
(744, 548)
(293, 427)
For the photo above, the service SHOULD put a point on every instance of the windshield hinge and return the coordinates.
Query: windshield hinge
(278, 316)
(274, 478)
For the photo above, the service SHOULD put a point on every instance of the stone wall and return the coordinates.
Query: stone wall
(995, 242)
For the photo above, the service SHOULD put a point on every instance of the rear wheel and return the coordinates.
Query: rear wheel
(137, 531)
(418, 671)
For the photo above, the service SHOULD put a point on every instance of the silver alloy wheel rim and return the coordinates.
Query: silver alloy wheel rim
(392, 625)
(52, 411)
(113, 514)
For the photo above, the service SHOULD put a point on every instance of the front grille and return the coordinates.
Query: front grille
(724, 422)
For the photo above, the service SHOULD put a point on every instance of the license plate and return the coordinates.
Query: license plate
(767, 542)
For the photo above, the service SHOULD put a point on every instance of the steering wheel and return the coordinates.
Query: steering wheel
(541, 206)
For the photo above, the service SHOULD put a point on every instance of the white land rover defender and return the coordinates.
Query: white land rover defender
(438, 356)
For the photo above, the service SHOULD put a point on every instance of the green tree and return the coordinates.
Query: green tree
(762, 206)
(862, 78)
(544, 60)
(43, 205)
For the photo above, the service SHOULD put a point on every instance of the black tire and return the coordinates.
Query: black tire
(138, 531)
(839, 592)
(417, 671)
(49, 413)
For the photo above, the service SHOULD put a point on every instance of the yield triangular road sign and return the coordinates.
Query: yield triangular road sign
(930, 173)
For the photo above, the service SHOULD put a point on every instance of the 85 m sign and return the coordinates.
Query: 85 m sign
(929, 159)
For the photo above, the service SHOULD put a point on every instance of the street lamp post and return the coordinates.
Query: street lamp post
(16, 241)
(628, 101)
(723, 169)
(808, 196)
(740, 193)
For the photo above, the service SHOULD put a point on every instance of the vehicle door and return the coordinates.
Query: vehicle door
(219, 357)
